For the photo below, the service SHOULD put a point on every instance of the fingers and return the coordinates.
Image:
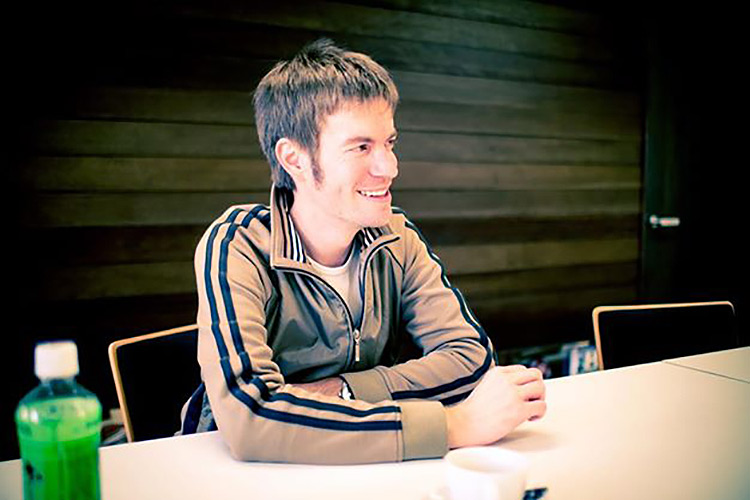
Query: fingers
(525, 376)
(528, 382)
(532, 391)
(536, 410)
(511, 368)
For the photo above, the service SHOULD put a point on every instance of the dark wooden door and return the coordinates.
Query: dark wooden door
(694, 165)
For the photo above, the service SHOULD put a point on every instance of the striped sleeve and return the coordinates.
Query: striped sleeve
(457, 350)
(258, 415)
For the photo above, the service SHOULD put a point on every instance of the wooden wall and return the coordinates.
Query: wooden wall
(520, 155)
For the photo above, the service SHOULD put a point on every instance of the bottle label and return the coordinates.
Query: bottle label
(60, 470)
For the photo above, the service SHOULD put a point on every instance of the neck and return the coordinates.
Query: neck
(326, 243)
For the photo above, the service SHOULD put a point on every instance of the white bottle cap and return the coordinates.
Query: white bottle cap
(56, 360)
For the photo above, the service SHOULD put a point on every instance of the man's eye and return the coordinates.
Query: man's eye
(361, 148)
(392, 143)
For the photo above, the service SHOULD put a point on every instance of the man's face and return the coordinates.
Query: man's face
(356, 166)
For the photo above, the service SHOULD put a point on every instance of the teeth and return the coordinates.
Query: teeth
(374, 193)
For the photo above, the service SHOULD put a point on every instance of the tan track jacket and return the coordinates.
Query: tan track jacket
(267, 320)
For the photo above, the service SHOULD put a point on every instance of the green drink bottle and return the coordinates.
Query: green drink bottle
(58, 429)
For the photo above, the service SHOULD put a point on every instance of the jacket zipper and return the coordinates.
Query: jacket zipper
(362, 291)
(349, 318)
(354, 333)
(362, 316)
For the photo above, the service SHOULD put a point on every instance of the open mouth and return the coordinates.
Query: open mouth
(380, 194)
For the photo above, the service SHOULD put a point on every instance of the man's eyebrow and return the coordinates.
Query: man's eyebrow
(363, 138)
(359, 138)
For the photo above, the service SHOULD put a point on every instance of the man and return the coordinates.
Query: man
(306, 306)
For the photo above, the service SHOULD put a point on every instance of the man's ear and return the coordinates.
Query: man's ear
(293, 158)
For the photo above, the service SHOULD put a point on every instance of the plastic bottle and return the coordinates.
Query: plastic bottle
(58, 426)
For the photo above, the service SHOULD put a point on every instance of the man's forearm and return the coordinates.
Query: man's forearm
(328, 386)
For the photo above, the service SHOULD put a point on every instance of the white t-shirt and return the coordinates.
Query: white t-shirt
(345, 280)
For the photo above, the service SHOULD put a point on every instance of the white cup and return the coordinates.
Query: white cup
(486, 473)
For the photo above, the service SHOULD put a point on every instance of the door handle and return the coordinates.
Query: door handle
(658, 222)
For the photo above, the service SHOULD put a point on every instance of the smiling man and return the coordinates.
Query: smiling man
(307, 306)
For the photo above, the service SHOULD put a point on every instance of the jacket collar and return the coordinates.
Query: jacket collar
(287, 249)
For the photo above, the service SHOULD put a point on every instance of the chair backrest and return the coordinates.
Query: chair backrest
(154, 375)
(630, 335)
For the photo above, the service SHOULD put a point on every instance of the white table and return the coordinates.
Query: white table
(734, 363)
(651, 431)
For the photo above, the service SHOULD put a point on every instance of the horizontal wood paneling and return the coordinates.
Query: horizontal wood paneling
(144, 209)
(487, 258)
(478, 148)
(233, 108)
(483, 119)
(369, 21)
(77, 137)
(97, 246)
(526, 281)
(132, 209)
(140, 139)
(512, 12)
(423, 205)
(104, 174)
(527, 95)
(551, 303)
(172, 69)
(487, 176)
(219, 54)
(81, 246)
(520, 149)
(126, 280)
(243, 72)
(163, 278)
(525, 229)
(272, 43)
(227, 107)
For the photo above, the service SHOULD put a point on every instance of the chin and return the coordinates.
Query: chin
(376, 220)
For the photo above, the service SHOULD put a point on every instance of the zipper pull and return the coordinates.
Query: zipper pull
(356, 346)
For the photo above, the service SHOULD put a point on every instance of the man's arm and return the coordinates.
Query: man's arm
(457, 351)
(261, 417)
(458, 356)
(331, 386)
(506, 397)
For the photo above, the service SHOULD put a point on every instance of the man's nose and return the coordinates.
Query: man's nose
(385, 164)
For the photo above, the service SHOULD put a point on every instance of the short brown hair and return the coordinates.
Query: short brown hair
(294, 98)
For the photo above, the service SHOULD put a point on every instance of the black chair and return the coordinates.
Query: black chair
(154, 375)
(631, 335)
